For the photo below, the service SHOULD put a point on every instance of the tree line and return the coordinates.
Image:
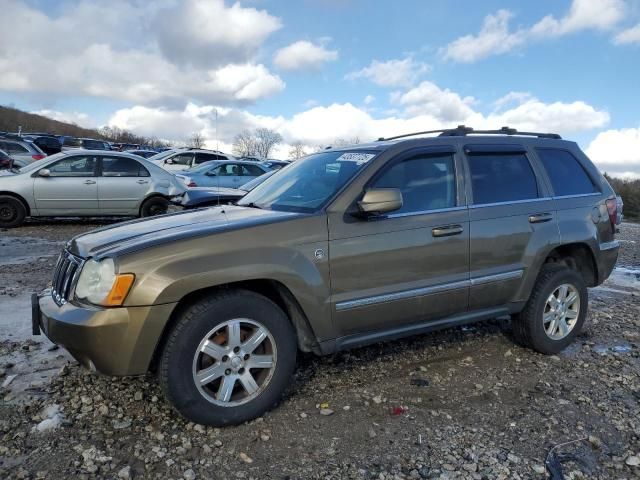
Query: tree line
(629, 190)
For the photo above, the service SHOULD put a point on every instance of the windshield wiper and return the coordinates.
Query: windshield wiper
(252, 205)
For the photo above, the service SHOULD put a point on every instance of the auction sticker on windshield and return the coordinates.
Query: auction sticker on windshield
(357, 157)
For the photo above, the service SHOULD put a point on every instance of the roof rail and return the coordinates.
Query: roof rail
(462, 131)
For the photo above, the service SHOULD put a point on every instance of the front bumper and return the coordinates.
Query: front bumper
(114, 341)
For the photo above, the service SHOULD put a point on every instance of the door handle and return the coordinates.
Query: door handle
(447, 231)
(540, 217)
(143, 181)
(89, 182)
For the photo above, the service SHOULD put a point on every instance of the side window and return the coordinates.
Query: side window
(76, 166)
(501, 178)
(426, 182)
(224, 170)
(251, 171)
(182, 159)
(122, 167)
(15, 148)
(565, 172)
(205, 157)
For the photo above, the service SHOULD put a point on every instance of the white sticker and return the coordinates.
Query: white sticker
(359, 158)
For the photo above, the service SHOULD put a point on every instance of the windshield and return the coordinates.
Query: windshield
(161, 155)
(251, 184)
(40, 163)
(309, 183)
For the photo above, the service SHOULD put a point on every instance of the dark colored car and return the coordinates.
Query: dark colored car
(47, 143)
(343, 248)
(6, 162)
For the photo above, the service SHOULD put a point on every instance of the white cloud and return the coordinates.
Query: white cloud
(617, 152)
(79, 118)
(496, 38)
(628, 36)
(582, 15)
(424, 107)
(303, 55)
(208, 33)
(369, 99)
(392, 73)
(429, 99)
(117, 57)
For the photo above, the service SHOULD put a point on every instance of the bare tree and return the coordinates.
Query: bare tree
(196, 140)
(244, 144)
(297, 151)
(266, 139)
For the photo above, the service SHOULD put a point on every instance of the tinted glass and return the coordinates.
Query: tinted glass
(426, 182)
(71, 142)
(12, 147)
(76, 166)
(309, 183)
(252, 170)
(502, 178)
(92, 145)
(206, 157)
(565, 172)
(122, 167)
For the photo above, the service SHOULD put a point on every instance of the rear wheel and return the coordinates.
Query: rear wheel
(228, 359)
(555, 311)
(154, 206)
(12, 212)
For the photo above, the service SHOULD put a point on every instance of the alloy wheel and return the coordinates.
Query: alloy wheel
(234, 362)
(561, 311)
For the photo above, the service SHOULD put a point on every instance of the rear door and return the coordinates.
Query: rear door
(122, 185)
(412, 264)
(70, 189)
(512, 218)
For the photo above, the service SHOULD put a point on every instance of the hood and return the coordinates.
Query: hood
(195, 196)
(135, 235)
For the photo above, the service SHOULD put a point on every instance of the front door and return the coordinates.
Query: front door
(512, 218)
(70, 189)
(123, 184)
(408, 266)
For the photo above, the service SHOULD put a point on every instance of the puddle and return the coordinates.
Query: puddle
(21, 250)
(623, 280)
(35, 362)
(606, 349)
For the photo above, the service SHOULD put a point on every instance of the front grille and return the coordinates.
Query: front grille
(65, 277)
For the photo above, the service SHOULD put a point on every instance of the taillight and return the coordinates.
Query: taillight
(38, 156)
(192, 184)
(612, 209)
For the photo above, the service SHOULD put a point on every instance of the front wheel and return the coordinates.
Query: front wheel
(12, 212)
(555, 312)
(228, 359)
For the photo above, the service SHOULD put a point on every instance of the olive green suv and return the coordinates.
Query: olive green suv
(343, 248)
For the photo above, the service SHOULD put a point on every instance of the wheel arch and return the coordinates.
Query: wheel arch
(274, 290)
(579, 257)
(18, 197)
(149, 197)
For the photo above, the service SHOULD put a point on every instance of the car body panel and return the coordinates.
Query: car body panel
(223, 174)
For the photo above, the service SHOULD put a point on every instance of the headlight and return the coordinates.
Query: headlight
(99, 284)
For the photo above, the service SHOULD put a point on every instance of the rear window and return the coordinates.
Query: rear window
(12, 147)
(498, 178)
(567, 175)
(71, 142)
(92, 145)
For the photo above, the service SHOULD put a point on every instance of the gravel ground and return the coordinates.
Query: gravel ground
(460, 403)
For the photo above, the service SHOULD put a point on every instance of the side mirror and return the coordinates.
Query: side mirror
(380, 200)
(45, 172)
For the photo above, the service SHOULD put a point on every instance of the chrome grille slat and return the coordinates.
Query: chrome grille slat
(65, 277)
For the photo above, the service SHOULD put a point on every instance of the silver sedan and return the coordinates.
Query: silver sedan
(85, 183)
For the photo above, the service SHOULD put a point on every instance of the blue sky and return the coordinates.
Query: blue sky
(318, 70)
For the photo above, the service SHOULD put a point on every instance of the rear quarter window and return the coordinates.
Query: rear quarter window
(566, 173)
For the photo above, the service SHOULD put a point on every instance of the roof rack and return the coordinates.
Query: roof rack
(462, 131)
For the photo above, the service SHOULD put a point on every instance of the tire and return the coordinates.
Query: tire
(199, 347)
(154, 206)
(12, 212)
(540, 324)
